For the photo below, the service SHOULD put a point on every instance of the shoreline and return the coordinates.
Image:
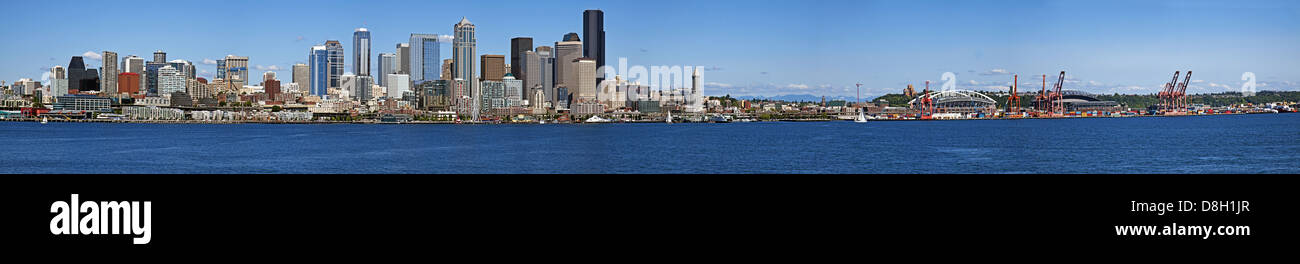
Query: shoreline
(537, 123)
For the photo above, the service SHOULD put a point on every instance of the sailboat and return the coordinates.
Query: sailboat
(45, 120)
(862, 116)
(670, 118)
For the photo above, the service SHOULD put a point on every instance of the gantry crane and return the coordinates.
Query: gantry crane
(1166, 95)
(1180, 96)
(1013, 101)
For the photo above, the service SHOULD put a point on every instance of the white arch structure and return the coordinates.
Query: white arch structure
(952, 95)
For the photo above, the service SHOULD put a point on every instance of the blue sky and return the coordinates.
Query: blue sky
(749, 47)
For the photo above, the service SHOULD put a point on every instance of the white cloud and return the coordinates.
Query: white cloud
(268, 68)
(446, 38)
(718, 85)
(1198, 81)
(92, 55)
(209, 61)
(797, 86)
(996, 72)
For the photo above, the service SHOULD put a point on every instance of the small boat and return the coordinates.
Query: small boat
(597, 119)
(670, 118)
(45, 120)
(862, 118)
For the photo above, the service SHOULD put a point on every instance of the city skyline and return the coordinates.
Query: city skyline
(752, 49)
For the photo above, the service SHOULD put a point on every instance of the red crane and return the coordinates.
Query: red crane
(1167, 94)
(1040, 101)
(1180, 96)
(927, 105)
(1058, 105)
(1013, 101)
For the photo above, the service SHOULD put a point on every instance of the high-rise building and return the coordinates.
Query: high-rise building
(463, 53)
(446, 69)
(403, 54)
(514, 89)
(170, 80)
(361, 51)
(58, 81)
(593, 39)
(348, 86)
(493, 67)
(221, 69)
(159, 56)
(236, 70)
(518, 47)
(133, 64)
(566, 52)
(318, 62)
(267, 76)
(128, 83)
(271, 87)
(387, 65)
(364, 89)
(151, 77)
(80, 78)
(398, 84)
(545, 73)
(585, 71)
(110, 73)
(335, 51)
(302, 76)
(423, 57)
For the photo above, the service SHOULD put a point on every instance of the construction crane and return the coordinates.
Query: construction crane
(1180, 96)
(1013, 101)
(927, 105)
(1040, 101)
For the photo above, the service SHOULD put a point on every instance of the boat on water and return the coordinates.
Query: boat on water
(718, 119)
(45, 120)
(670, 118)
(597, 119)
(862, 116)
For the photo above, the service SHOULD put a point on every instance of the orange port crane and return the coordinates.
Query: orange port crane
(927, 105)
(1180, 96)
(1013, 101)
(1058, 104)
(1040, 101)
(1166, 95)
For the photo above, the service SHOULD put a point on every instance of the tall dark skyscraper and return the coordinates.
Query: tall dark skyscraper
(76, 71)
(517, 48)
(593, 39)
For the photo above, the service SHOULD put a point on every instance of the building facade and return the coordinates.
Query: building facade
(334, 49)
(301, 75)
(593, 39)
(110, 73)
(387, 65)
(493, 67)
(318, 64)
(518, 48)
(361, 51)
(566, 52)
(423, 57)
(463, 54)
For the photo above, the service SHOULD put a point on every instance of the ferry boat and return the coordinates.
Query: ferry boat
(597, 119)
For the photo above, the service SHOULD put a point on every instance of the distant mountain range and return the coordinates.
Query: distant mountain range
(800, 98)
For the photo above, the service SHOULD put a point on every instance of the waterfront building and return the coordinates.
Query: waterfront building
(423, 56)
(593, 39)
(398, 84)
(433, 95)
(159, 56)
(493, 95)
(58, 81)
(170, 80)
(301, 76)
(334, 49)
(387, 65)
(318, 64)
(403, 55)
(109, 83)
(463, 53)
(493, 67)
(519, 47)
(566, 52)
(81, 102)
(361, 52)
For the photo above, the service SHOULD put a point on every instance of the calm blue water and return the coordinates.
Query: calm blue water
(1205, 144)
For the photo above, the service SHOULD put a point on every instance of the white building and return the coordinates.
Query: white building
(397, 84)
(170, 80)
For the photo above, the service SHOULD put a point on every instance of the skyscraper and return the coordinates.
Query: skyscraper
(80, 78)
(318, 62)
(493, 67)
(519, 46)
(446, 69)
(566, 52)
(423, 56)
(387, 65)
(361, 52)
(335, 51)
(593, 38)
(463, 54)
(302, 76)
(545, 73)
(58, 81)
(110, 73)
(159, 56)
(133, 64)
(128, 82)
(170, 80)
(403, 54)
(585, 71)
(221, 69)
(236, 70)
